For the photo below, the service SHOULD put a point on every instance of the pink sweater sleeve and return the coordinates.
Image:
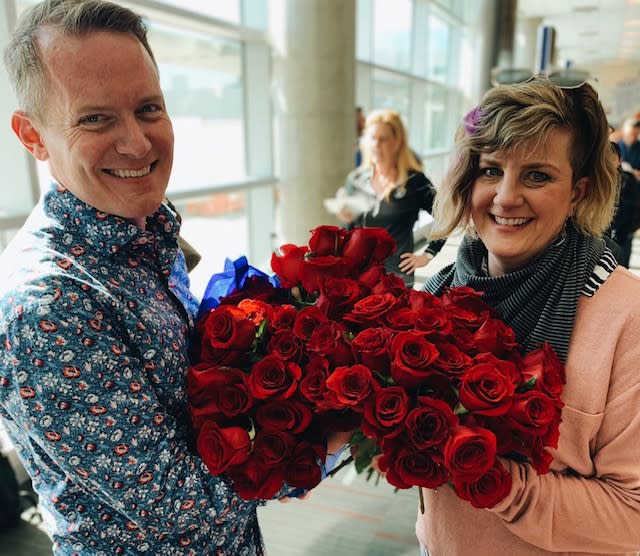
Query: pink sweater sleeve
(590, 501)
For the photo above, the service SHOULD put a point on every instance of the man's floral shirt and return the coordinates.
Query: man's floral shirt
(95, 316)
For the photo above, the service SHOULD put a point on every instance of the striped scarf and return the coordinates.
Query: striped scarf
(538, 301)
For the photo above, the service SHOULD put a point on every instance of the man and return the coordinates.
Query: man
(95, 310)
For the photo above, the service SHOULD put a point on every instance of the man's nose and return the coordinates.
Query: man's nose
(132, 139)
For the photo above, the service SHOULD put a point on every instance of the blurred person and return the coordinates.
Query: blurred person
(95, 311)
(622, 227)
(630, 145)
(391, 183)
(533, 187)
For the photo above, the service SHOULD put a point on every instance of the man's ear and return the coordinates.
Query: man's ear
(25, 128)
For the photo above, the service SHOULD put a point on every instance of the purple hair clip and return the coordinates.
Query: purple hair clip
(471, 121)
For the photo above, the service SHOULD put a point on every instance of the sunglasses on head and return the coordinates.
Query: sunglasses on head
(568, 78)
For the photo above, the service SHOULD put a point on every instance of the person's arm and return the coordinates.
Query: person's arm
(105, 427)
(596, 508)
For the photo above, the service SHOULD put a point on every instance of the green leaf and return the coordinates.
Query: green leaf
(460, 409)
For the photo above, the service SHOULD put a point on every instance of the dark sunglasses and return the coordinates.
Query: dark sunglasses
(569, 78)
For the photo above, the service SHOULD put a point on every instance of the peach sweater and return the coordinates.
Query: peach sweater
(589, 503)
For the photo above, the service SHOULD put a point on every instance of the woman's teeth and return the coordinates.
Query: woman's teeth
(510, 221)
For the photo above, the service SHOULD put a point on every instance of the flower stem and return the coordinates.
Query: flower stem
(344, 463)
(421, 500)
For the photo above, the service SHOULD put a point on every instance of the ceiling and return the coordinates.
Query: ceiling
(589, 33)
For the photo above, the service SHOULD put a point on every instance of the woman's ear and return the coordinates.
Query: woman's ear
(25, 128)
(579, 190)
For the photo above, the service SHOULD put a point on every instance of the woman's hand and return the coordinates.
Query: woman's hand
(345, 215)
(410, 262)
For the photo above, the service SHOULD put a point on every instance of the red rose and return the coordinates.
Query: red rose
(419, 300)
(221, 448)
(430, 424)
(227, 334)
(372, 275)
(338, 295)
(350, 387)
(540, 458)
(469, 453)
(372, 349)
(412, 359)
(367, 246)
(545, 368)
(451, 361)
(390, 283)
(285, 415)
(494, 336)
(284, 317)
(327, 240)
(256, 310)
(507, 367)
(285, 345)
(271, 377)
(533, 412)
(433, 322)
(215, 392)
(371, 309)
(328, 340)
(402, 318)
(484, 389)
(273, 447)
(312, 386)
(256, 480)
(386, 410)
(304, 471)
(486, 491)
(288, 264)
(317, 269)
(405, 467)
(307, 320)
(466, 298)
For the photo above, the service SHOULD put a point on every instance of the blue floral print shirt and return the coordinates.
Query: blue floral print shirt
(95, 316)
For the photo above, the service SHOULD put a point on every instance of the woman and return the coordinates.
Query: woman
(534, 186)
(391, 181)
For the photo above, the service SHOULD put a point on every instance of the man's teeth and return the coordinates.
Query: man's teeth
(131, 173)
(510, 221)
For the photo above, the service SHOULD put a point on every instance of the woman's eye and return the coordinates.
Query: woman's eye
(538, 177)
(490, 172)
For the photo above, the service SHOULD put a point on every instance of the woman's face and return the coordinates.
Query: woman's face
(382, 143)
(520, 201)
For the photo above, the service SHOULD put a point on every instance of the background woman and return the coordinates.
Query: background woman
(534, 186)
(391, 180)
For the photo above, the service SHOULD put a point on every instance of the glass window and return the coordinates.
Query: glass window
(392, 33)
(201, 76)
(438, 33)
(437, 136)
(391, 91)
(228, 10)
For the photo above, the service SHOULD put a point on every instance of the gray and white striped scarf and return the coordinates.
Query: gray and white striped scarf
(539, 300)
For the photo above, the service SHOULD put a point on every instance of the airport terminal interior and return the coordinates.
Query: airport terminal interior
(262, 96)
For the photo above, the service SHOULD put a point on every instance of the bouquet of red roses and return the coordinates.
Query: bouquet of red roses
(436, 385)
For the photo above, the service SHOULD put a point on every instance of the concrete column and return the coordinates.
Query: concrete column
(314, 106)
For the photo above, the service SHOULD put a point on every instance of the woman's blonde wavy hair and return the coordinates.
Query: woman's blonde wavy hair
(406, 160)
(512, 116)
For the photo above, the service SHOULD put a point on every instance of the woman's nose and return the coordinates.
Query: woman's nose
(132, 139)
(508, 190)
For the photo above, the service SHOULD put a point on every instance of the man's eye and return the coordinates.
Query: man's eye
(92, 119)
(150, 108)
